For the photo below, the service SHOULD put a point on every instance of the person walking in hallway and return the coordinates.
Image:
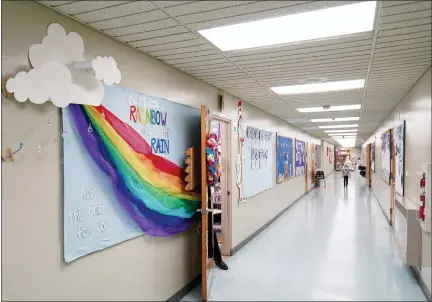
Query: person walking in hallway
(346, 174)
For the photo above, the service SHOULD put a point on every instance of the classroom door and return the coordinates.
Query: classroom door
(205, 116)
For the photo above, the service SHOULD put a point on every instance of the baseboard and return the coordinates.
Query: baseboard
(257, 232)
(421, 283)
(186, 289)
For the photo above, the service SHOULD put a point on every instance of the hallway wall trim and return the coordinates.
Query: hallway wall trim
(421, 282)
(180, 294)
(257, 232)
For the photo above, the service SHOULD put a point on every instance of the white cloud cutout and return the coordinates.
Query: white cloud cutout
(53, 81)
(57, 46)
(54, 77)
(106, 69)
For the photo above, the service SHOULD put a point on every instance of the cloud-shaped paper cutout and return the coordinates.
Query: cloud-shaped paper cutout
(54, 76)
(57, 46)
(53, 81)
(106, 69)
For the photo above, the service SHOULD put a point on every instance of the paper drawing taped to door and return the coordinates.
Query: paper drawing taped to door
(123, 170)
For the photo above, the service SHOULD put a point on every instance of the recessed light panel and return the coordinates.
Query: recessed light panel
(319, 87)
(330, 108)
(338, 126)
(340, 131)
(319, 24)
(337, 119)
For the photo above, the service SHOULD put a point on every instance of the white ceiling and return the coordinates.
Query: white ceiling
(391, 58)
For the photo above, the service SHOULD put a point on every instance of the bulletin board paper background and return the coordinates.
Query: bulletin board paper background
(86, 186)
(300, 157)
(256, 179)
(399, 141)
(284, 158)
(386, 156)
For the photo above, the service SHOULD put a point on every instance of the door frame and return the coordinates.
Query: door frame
(204, 200)
(227, 217)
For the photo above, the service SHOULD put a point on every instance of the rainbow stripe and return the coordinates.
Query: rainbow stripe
(150, 188)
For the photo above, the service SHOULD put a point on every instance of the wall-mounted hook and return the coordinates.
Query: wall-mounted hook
(10, 154)
(4, 91)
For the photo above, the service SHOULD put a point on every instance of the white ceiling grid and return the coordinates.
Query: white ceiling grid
(391, 58)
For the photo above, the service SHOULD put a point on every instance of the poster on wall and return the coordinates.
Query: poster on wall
(330, 155)
(386, 155)
(123, 170)
(258, 174)
(284, 158)
(399, 144)
(372, 164)
(318, 156)
(300, 157)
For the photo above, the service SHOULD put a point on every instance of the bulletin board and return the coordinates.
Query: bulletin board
(386, 156)
(284, 158)
(372, 164)
(123, 170)
(399, 154)
(300, 157)
(258, 162)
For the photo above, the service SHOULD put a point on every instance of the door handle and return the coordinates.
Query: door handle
(205, 211)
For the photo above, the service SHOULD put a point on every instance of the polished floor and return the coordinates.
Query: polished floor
(333, 245)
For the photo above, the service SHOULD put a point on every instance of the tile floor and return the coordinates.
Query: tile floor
(334, 244)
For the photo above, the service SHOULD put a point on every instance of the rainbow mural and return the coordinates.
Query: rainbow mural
(149, 187)
(123, 170)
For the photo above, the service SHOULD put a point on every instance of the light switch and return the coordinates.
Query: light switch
(406, 173)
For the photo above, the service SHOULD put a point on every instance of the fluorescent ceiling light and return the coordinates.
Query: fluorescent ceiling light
(319, 24)
(342, 134)
(339, 137)
(330, 108)
(337, 119)
(337, 131)
(347, 143)
(320, 87)
(339, 126)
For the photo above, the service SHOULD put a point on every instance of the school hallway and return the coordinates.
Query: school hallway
(334, 244)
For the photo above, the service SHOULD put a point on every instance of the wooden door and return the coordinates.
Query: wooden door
(306, 168)
(313, 162)
(368, 164)
(204, 200)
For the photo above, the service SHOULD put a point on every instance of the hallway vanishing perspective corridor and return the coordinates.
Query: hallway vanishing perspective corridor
(334, 244)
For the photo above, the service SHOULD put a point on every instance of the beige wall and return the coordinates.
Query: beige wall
(415, 109)
(325, 164)
(355, 152)
(144, 268)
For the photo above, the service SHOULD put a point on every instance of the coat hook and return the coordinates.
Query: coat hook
(10, 154)
(4, 91)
